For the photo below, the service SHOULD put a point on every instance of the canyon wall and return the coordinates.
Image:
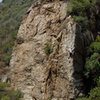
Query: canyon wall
(48, 56)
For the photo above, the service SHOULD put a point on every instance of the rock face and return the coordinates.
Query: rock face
(52, 76)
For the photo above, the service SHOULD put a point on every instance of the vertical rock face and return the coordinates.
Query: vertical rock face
(42, 76)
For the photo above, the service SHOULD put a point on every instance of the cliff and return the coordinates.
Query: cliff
(48, 57)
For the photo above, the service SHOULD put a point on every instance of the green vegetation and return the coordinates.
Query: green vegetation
(93, 60)
(78, 7)
(92, 71)
(48, 49)
(80, 10)
(94, 94)
(11, 14)
(6, 93)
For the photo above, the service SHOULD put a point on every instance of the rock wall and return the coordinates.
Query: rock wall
(54, 76)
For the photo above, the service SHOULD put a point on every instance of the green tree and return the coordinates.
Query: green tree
(92, 71)
(92, 66)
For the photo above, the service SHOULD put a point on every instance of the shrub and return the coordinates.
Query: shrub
(5, 98)
(92, 66)
(98, 39)
(93, 61)
(7, 93)
(94, 94)
(6, 59)
(48, 49)
(83, 98)
(95, 47)
(4, 85)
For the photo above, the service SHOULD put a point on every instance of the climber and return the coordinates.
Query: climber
(71, 51)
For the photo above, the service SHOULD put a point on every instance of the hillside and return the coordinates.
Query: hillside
(11, 15)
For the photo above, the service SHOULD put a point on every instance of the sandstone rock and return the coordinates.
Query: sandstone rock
(42, 77)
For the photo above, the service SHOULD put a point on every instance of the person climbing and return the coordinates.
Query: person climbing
(71, 51)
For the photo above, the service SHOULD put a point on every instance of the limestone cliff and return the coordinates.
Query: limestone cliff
(57, 75)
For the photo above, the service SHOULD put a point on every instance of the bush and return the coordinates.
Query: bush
(95, 47)
(93, 61)
(98, 39)
(92, 66)
(48, 49)
(6, 93)
(4, 85)
(6, 59)
(83, 98)
(5, 98)
(94, 94)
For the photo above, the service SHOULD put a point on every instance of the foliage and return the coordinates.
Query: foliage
(48, 49)
(78, 7)
(5, 98)
(83, 98)
(79, 10)
(94, 47)
(3, 85)
(98, 39)
(92, 70)
(6, 93)
(94, 94)
(93, 60)
(93, 64)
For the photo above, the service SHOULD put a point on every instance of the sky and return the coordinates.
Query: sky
(0, 0)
